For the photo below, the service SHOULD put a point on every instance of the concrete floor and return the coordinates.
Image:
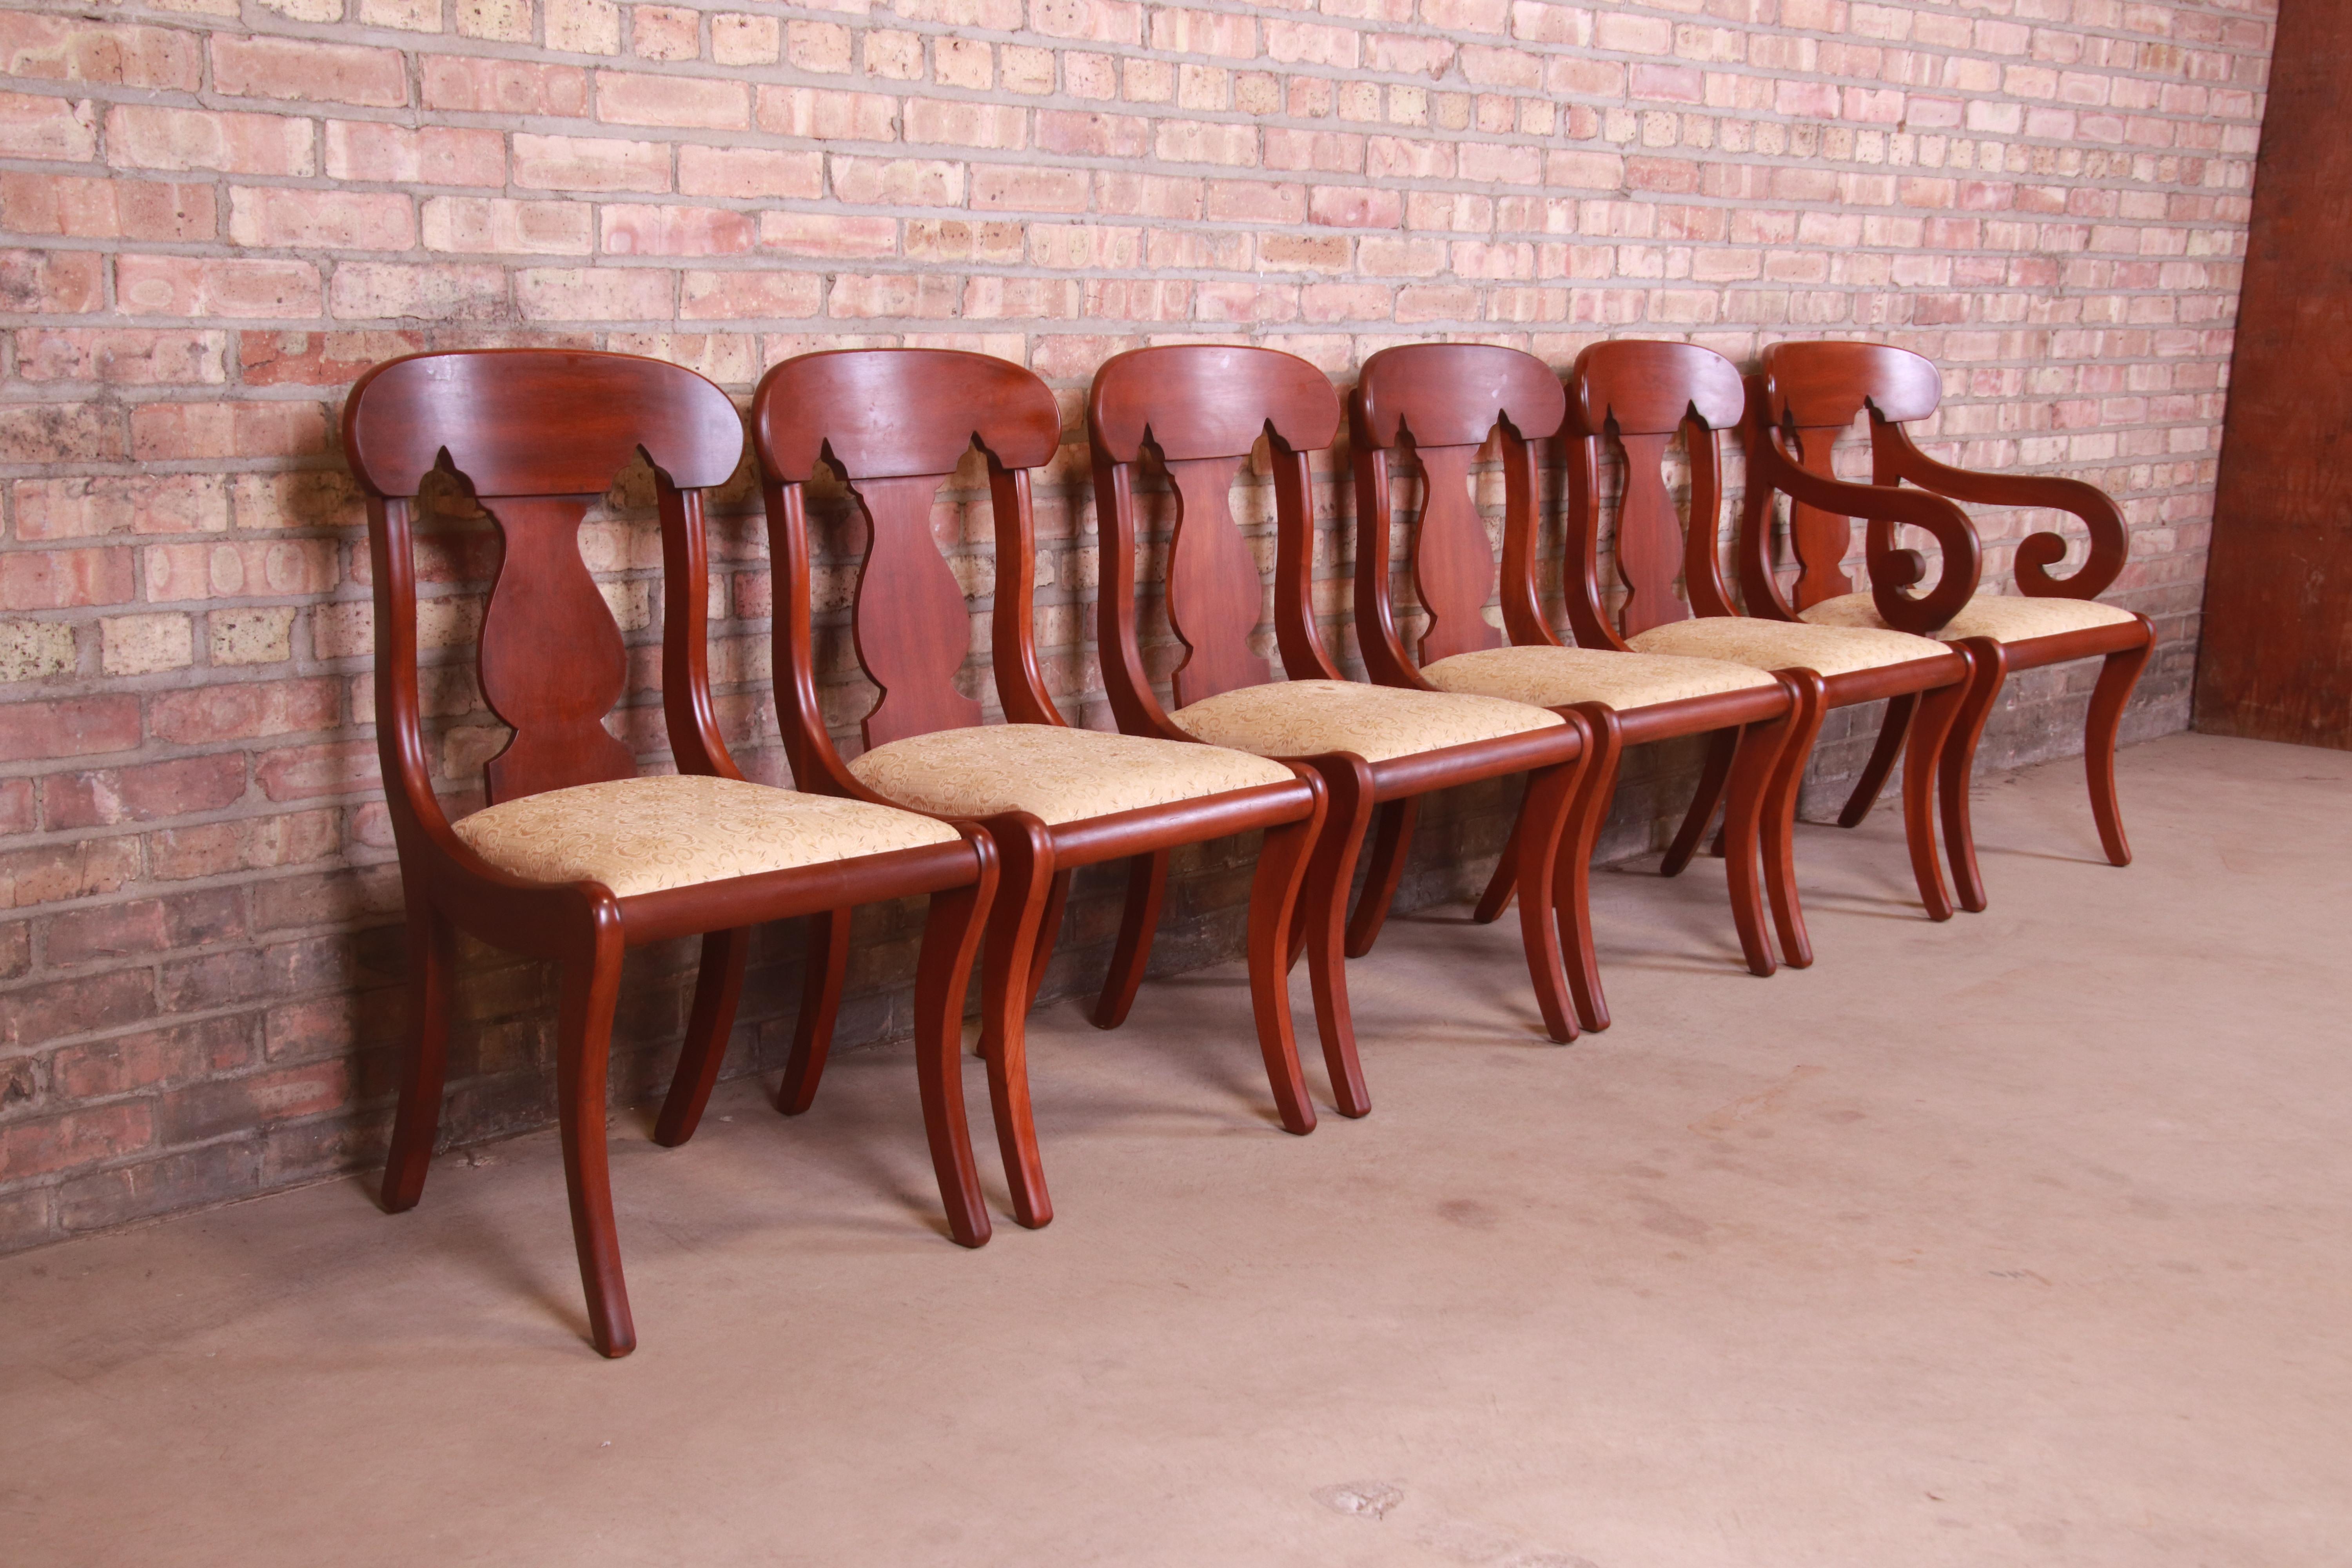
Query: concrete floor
(2019, 1240)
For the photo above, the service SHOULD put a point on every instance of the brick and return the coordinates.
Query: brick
(748, 174)
(65, 579)
(130, 357)
(37, 1015)
(126, 1064)
(490, 226)
(79, 1137)
(49, 873)
(60, 432)
(387, 291)
(141, 136)
(589, 164)
(242, 288)
(826, 235)
(764, 294)
(626, 98)
(315, 359)
(166, 430)
(479, 85)
(552, 294)
(146, 644)
(75, 207)
(38, 282)
(69, 49)
(283, 218)
(309, 70)
(245, 710)
(582, 26)
(394, 155)
(34, 125)
(69, 728)
(159, 1185)
(139, 926)
(104, 797)
(35, 650)
(251, 844)
(645, 230)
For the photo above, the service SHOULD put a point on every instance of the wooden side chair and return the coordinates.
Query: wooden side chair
(1647, 391)
(1441, 402)
(1202, 409)
(894, 424)
(1815, 390)
(576, 857)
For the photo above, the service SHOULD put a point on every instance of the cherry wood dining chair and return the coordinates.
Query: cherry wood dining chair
(1646, 393)
(1200, 411)
(1813, 392)
(894, 425)
(576, 857)
(1439, 405)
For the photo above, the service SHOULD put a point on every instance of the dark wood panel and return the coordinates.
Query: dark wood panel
(2276, 661)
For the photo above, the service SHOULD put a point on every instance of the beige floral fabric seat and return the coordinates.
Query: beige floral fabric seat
(1556, 677)
(2004, 617)
(1310, 717)
(643, 835)
(1055, 773)
(1786, 644)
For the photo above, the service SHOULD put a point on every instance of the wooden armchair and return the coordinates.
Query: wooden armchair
(1441, 402)
(1201, 410)
(1645, 392)
(1813, 390)
(576, 857)
(894, 424)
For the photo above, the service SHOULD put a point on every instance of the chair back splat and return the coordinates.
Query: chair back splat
(1444, 400)
(538, 436)
(1208, 408)
(1643, 393)
(894, 424)
(1816, 390)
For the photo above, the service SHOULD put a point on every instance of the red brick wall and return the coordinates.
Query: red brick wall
(214, 216)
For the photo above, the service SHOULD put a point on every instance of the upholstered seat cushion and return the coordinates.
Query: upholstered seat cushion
(1055, 773)
(1786, 644)
(1556, 677)
(641, 835)
(1310, 717)
(2004, 617)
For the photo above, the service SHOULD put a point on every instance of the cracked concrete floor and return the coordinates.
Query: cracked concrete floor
(2019, 1240)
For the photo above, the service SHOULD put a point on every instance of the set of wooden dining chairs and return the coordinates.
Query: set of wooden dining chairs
(577, 857)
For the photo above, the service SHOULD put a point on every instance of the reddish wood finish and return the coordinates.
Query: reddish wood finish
(1818, 389)
(894, 424)
(1197, 412)
(1443, 401)
(537, 434)
(1656, 388)
(2274, 661)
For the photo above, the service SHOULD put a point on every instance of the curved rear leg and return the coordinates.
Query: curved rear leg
(1923, 761)
(1900, 712)
(1754, 757)
(716, 989)
(825, 970)
(1780, 816)
(1025, 852)
(1721, 748)
(951, 935)
(1504, 884)
(584, 1045)
(432, 969)
(1049, 931)
(1390, 847)
(1318, 920)
(1959, 763)
(1146, 885)
(2118, 673)
(1282, 866)
(1571, 868)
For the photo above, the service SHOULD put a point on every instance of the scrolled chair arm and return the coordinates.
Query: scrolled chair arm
(1899, 458)
(1883, 506)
